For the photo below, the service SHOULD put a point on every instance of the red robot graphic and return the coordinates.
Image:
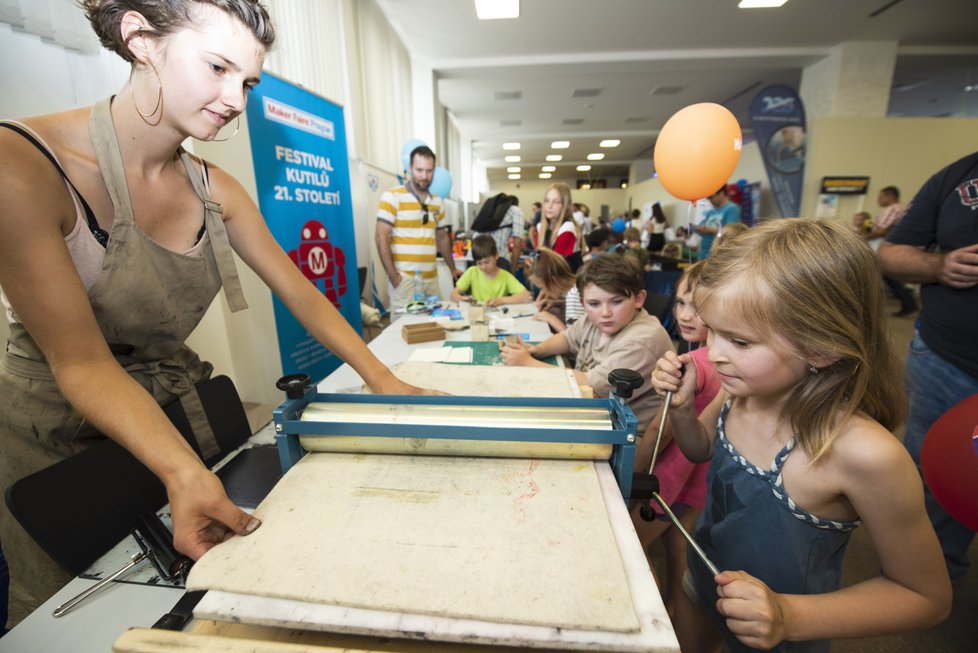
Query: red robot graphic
(319, 260)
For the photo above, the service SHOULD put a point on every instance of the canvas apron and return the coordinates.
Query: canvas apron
(147, 299)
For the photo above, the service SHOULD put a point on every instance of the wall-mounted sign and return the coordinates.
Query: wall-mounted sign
(844, 185)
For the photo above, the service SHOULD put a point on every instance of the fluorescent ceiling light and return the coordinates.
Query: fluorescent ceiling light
(560, 145)
(595, 156)
(610, 142)
(760, 4)
(554, 157)
(548, 169)
(511, 146)
(514, 176)
(493, 9)
(545, 175)
(513, 169)
(513, 158)
(583, 168)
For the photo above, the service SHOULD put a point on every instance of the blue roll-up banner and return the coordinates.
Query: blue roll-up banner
(298, 146)
(778, 120)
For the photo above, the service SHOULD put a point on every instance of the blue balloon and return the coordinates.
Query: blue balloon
(441, 182)
(406, 151)
(619, 225)
(741, 182)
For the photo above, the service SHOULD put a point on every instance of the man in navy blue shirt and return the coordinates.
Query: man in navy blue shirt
(936, 245)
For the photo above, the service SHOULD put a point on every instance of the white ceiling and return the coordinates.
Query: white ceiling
(647, 59)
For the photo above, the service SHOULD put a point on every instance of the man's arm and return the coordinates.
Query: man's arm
(383, 239)
(957, 268)
(445, 248)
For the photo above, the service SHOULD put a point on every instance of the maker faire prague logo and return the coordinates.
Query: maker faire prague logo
(321, 261)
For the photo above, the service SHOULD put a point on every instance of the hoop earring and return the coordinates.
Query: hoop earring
(237, 125)
(159, 98)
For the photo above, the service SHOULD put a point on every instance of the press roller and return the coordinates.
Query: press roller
(603, 429)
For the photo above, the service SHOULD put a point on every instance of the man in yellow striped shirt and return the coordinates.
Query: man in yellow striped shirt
(410, 228)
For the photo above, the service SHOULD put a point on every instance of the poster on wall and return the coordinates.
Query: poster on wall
(778, 120)
(298, 146)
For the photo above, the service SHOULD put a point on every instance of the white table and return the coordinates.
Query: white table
(391, 348)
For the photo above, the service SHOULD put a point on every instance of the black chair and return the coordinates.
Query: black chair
(81, 507)
(660, 293)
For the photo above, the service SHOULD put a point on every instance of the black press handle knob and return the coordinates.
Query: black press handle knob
(294, 385)
(625, 381)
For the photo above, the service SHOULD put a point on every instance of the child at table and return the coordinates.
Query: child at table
(558, 303)
(617, 333)
(486, 281)
(682, 484)
(801, 448)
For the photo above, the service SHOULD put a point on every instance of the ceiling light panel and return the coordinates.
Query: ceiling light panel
(760, 4)
(511, 146)
(560, 145)
(595, 156)
(548, 169)
(583, 168)
(545, 175)
(513, 169)
(610, 142)
(495, 9)
(554, 157)
(513, 158)
(514, 176)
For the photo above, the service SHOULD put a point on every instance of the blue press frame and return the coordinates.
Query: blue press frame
(622, 435)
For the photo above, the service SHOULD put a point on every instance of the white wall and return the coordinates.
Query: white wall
(901, 152)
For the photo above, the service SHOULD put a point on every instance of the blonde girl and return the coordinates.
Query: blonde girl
(800, 448)
(557, 229)
(553, 276)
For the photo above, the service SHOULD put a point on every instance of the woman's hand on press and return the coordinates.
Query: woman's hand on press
(203, 516)
(397, 387)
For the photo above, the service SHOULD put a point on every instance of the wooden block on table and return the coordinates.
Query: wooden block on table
(477, 314)
(423, 332)
(480, 332)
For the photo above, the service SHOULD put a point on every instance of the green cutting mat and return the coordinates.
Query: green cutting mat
(487, 353)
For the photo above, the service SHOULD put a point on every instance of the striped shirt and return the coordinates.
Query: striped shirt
(413, 243)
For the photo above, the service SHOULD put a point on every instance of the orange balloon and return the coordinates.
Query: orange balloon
(697, 150)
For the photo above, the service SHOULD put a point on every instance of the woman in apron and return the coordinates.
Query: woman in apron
(113, 243)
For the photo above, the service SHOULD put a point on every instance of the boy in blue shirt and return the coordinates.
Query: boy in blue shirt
(486, 281)
(724, 212)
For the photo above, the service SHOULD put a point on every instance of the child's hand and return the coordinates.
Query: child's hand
(676, 374)
(752, 611)
(495, 301)
(517, 354)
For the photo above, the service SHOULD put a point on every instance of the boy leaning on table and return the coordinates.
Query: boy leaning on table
(486, 281)
(617, 333)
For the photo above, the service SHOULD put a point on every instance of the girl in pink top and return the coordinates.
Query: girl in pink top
(682, 484)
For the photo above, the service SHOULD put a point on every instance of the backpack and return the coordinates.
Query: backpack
(491, 215)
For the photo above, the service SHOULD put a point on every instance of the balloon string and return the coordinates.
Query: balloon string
(689, 230)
